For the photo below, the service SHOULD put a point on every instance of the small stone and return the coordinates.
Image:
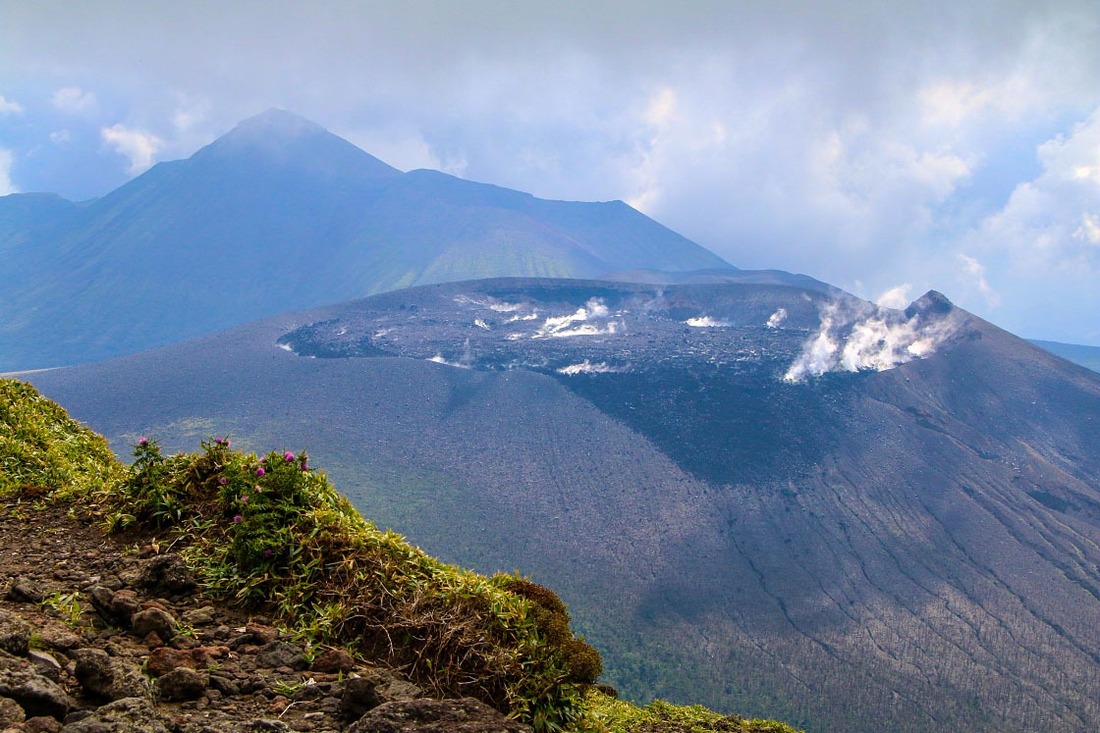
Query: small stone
(199, 616)
(281, 654)
(42, 724)
(169, 572)
(154, 620)
(165, 659)
(359, 697)
(10, 713)
(46, 664)
(333, 661)
(15, 634)
(24, 590)
(182, 683)
(124, 603)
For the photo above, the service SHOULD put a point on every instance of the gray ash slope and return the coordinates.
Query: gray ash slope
(776, 500)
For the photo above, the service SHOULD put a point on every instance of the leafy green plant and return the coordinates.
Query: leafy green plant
(67, 605)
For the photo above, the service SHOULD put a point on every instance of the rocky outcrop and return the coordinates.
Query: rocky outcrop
(97, 637)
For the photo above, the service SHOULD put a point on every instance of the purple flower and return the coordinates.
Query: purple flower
(260, 471)
(244, 498)
(222, 481)
(268, 552)
(306, 467)
(238, 519)
(218, 441)
(288, 457)
(143, 441)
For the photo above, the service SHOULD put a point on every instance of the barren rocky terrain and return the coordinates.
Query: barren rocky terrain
(104, 635)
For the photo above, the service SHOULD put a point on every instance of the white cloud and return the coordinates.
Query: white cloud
(1048, 223)
(139, 147)
(6, 185)
(896, 297)
(975, 271)
(9, 107)
(1089, 231)
(74, 100)
(61, 138)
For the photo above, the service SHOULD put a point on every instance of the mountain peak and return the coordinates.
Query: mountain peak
(283, 138)
(279, 122)
(931, 302)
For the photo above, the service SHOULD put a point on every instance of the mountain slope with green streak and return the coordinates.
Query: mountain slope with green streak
(913, 549)
(281, 214)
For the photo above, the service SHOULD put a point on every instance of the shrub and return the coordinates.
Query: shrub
(272, 531)
(43, 450)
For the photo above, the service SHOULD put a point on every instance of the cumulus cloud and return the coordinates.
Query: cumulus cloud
(6, 185)
(9, 107)
(74, 100)
(139, 147)
(854, 338)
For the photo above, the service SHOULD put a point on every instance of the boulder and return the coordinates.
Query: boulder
(182, 683)
(127, 715)
(109, 678)
(466, 715)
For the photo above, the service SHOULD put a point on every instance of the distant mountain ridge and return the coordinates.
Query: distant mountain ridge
(1086, 356)
(762, 496)
(279, 214)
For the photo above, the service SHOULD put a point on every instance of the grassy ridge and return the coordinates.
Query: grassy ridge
(272, 532)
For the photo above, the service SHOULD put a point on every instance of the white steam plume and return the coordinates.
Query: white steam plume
(775, 320)
(875, 339)
(575, 324)
(706, 322)
(587, 367)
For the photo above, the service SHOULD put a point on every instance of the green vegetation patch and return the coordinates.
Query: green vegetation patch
(43, 450)
(272, 531)
(610, 715)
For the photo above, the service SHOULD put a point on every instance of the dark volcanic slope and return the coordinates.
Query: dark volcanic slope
(279, 214)
(734, 515)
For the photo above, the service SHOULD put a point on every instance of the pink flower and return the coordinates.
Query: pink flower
(244, 498)
(238, 519)
(222, 481)
(288, 457)
(260, 471)
(143, 441)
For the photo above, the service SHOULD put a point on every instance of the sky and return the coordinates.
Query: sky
(886, 148)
